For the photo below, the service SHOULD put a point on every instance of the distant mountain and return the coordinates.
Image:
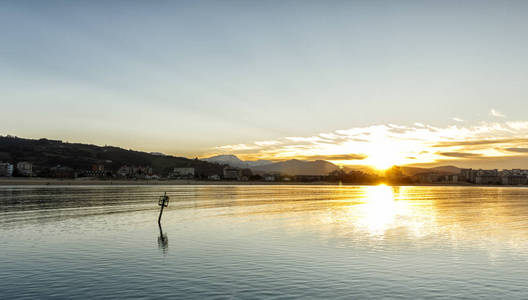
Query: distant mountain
(234, 161)
(298, 167)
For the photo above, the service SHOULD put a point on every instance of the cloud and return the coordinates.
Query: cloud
(459, 154)
(495, 113)
(517, 150)
(386, 144)
(457, 119)
(479, 142)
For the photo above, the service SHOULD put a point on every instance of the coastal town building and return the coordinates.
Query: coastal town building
(269, 178)
(308, 178)
(514, 177)
(62, 172)
(6, 169)
(428, 177)
(134, 172)
(124, 171)
(232, 173)
(24, 168)
(97, 170)
(487, 177)
(451, 178)
(214, 177)
(182, 173)
(505, 177)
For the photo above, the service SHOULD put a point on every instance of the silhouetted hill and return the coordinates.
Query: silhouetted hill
(298, 167)
(46, 153)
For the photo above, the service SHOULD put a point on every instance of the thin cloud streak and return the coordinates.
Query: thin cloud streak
(459, 154)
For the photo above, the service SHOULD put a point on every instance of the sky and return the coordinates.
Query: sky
(353, 82)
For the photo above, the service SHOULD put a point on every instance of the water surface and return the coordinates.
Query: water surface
(264, 242)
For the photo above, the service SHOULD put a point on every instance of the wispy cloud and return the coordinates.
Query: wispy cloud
(495, 113)
(456, 119)
(459, 154)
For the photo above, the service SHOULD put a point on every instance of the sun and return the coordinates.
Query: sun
(381, 159)
(381, 164)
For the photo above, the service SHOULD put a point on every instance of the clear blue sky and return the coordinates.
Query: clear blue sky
(182, 77)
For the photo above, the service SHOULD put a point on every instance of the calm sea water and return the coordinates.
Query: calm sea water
(264, 242)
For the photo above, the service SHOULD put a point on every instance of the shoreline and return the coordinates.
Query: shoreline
(93, 182)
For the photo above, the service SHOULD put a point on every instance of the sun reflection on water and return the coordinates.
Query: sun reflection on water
(385, 208)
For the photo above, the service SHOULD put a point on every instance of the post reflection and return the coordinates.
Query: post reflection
(163, 240)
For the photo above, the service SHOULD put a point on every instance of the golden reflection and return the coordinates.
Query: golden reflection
(378, 210)
(386, 208)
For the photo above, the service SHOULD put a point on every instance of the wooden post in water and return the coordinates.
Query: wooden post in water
(163, 202)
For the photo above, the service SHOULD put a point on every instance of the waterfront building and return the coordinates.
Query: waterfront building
(269, 178)
(468, 175)
(214, 177)
(487, 177)
(232, 173)
(133, 171)
(62, 172)
(428, 177)
(25, 168)
(125, 171)
(182, 173)
(514, 177)
(6, 169)
(453, 178)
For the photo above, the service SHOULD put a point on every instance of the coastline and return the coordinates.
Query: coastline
(20, 181)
